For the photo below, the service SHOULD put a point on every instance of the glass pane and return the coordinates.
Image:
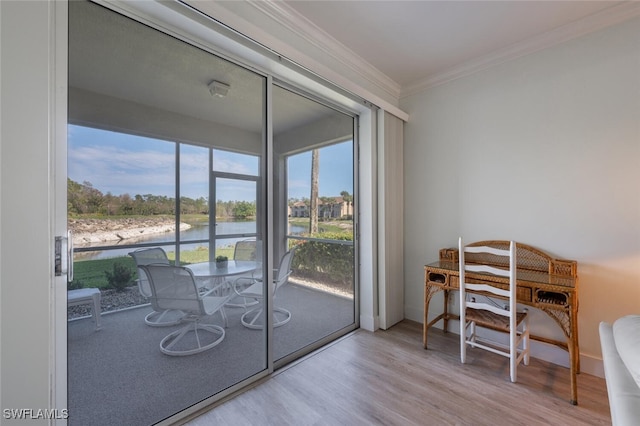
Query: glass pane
(120, 191)
(236, 213)
(316, 144)
(143, 118)
(194, 202)
(233, 162)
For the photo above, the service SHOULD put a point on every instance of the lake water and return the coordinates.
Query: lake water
(194, 233)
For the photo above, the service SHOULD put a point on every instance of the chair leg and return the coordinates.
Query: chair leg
(525, 341)
(513, 364)
(164, 319)
(169, 343)
(463, 343)
(248, 319)
(224, 317)
(285, 316)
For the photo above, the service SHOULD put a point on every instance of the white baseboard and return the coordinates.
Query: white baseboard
(369, 323)
(416, 315)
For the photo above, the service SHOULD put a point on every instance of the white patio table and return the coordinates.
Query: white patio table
(213, 277)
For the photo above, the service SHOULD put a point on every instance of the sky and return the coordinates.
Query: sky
(119, 164)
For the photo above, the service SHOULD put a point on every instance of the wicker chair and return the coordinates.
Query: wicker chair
(159, 317)
(490, 314)
(174, 287)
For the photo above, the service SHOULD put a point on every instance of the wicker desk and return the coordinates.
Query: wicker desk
(548, 284)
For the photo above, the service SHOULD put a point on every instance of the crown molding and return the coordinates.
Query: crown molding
(611, 16)
(387, 98)
(315, 36)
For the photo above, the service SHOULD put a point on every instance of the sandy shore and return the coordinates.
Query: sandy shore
(92, 231)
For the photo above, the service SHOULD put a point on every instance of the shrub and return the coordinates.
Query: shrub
(75, 285)
(120, 278)
(325, 261)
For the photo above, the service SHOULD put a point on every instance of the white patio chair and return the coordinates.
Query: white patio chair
(174, 287)
(491, 315)
(250, 250)
(159, 317)
(254, 318)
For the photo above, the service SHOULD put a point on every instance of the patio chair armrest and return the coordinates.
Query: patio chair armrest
(247, 280)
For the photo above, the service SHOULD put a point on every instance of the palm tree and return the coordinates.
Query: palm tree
(348, 198)
(313, 208)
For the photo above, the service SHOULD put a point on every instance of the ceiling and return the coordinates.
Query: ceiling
(123, 72)
(414, 41)
(406, 42)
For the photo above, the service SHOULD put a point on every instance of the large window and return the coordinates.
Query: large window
(168, 151)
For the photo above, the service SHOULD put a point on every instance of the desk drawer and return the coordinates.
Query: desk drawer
(454, 282)
(437, 277)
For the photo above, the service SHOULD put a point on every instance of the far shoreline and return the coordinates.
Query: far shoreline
(94, 231)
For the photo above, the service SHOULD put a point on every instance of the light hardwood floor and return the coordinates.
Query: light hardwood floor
(387, 378)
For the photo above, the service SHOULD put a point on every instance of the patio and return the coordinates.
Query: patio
(119, 376)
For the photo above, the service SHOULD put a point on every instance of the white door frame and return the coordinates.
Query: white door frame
(59, 207)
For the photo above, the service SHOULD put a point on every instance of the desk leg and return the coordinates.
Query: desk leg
(567, 319)
(573, 374)
(429, 291)
(445, 319)
(574, 350)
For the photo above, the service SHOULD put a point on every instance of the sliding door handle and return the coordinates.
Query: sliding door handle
(69, 256)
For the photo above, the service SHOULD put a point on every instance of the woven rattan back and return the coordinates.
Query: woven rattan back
(529, 258)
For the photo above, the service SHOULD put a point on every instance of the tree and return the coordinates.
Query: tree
(74, 195)
(313, 208)
(85, 199)
(347, 197)
(88, 199)
(111, 204)
(244, 209)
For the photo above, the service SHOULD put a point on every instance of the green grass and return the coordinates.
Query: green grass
(322, 226)
(91, 273)
(194, 219)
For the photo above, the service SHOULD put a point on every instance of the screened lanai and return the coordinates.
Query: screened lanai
(161, 128)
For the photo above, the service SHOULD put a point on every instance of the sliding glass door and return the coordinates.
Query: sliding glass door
(314, 150)
(170, 159)
(166, 155)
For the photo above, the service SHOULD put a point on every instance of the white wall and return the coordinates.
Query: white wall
(544, 150)
(26, 238)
